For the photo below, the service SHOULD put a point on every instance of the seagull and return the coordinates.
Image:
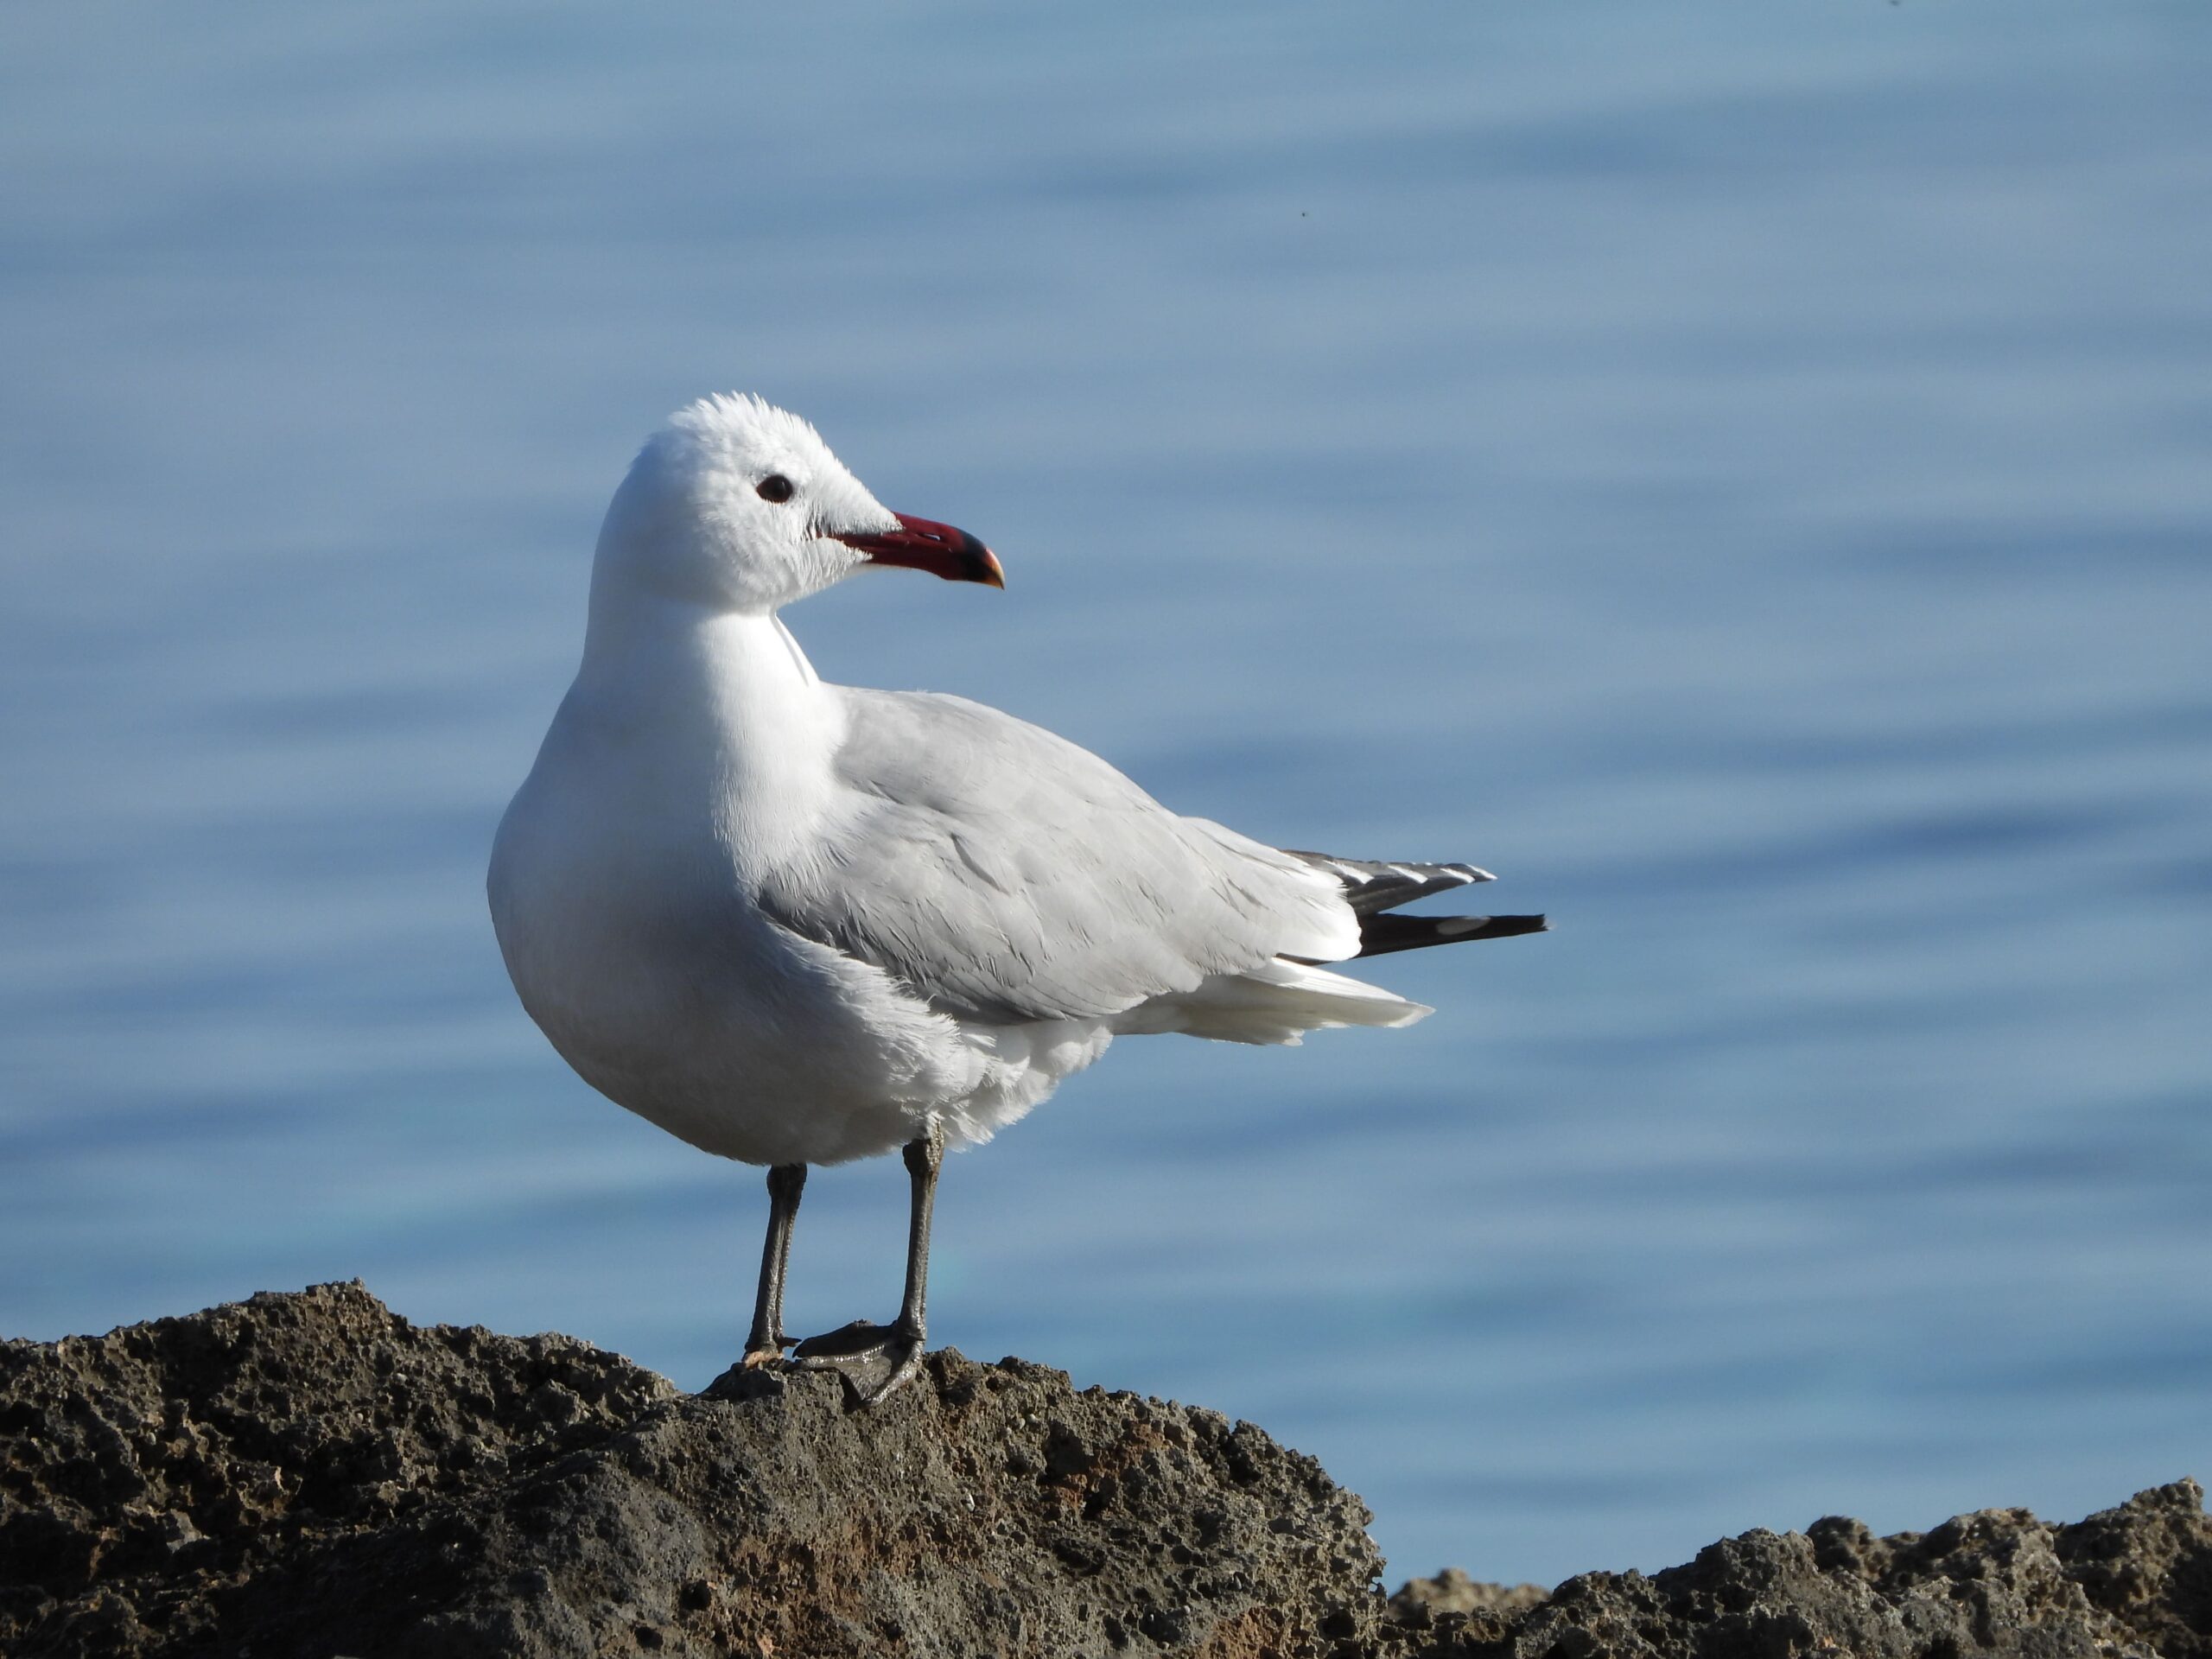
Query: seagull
(795, 923)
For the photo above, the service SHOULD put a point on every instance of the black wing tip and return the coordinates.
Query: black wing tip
(1511, 927)
(1380, 935)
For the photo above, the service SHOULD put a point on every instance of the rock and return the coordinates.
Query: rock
(308, 1474)
(1478, 1612)
(2133, 1580)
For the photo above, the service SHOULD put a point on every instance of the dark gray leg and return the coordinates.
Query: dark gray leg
(767, 1342)
(874, 1359)
(923, 1159)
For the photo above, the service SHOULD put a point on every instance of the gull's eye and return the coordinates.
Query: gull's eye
(774, 487)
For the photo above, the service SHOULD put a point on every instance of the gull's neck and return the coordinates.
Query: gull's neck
(720, 709)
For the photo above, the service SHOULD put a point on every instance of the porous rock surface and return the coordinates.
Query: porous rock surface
(308, 1474)
(2132, 1580)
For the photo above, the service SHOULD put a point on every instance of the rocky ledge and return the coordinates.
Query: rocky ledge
(310, 1475)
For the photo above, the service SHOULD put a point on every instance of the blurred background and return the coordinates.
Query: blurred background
(1744, 474)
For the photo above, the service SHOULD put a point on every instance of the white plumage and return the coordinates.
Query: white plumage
(790, 921)
(795, 923)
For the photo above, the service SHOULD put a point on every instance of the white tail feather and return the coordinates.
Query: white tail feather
(1277, 1003)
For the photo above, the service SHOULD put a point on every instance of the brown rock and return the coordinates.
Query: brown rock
(2136, 1580)
(309, 1475)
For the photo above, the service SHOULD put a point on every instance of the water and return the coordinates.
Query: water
(1741, 473)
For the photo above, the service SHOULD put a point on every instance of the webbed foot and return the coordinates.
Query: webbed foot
(875, 1360)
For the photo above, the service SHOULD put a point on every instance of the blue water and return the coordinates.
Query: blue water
(1743, 473)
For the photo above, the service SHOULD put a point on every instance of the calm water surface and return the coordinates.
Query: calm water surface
(1743, 474)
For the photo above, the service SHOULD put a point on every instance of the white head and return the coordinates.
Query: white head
(735, 506)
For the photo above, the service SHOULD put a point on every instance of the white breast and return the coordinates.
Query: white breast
(622, 906)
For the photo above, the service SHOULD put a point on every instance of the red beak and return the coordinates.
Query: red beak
(925, 544)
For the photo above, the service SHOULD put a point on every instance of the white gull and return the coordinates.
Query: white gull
(795, 923)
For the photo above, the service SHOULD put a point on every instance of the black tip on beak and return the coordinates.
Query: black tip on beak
(981, 564)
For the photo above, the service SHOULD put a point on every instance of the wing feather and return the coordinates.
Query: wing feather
(1005, 874)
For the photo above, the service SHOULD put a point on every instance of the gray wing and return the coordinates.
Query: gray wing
(1004, 873)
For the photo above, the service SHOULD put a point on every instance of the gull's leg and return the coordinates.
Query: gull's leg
(863, 1348)
(924, 1158)
(767, 1342)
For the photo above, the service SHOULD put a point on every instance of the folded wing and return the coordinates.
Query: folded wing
(1005, 874)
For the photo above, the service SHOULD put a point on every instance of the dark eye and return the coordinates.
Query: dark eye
(774, 487)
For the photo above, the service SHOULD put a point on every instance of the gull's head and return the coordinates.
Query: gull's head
(737, 506)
